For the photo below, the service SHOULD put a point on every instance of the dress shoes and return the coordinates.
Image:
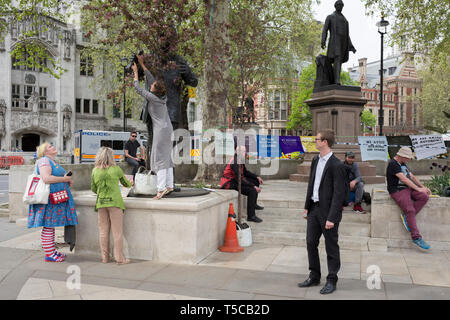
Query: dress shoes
(329, 287)
(254, 219)
(257, 207)
(309, 283)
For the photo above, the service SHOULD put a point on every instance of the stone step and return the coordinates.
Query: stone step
(273, 203)
(299, 239)
(299, 225)
(367, 179)
(297, 213)
(374, 180)
(299, 177)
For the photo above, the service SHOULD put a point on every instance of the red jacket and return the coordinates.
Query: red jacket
(230, 175)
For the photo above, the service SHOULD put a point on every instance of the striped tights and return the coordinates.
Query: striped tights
(48, 243)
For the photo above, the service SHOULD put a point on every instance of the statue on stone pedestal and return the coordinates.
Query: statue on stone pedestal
(339, 43)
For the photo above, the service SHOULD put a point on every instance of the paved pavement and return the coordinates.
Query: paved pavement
(259, 272)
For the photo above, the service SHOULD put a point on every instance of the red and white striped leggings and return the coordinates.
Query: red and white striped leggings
(48, 241)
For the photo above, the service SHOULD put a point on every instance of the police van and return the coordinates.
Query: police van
(87, 143)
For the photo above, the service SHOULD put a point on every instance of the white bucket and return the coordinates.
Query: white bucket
(244, 235)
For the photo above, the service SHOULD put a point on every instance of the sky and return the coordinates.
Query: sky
(363, 30)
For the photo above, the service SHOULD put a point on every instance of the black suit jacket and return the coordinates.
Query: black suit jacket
(331, 190)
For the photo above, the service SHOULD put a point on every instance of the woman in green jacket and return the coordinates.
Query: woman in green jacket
(105, 183)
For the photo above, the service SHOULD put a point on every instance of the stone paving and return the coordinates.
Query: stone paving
(260, 272)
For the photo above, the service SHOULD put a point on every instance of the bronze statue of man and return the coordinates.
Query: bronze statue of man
(339, 44)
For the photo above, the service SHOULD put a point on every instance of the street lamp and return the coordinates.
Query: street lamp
(382, 30)
(124, 63)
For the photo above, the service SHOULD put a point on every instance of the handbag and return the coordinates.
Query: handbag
(36, 191)
(59, 196)
(145, 182)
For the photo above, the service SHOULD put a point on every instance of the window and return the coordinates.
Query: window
(384, 98)
(86, 106)
(78, 105)
(415, 91)
(371, 96)
(401, 91)
(43, 97)
(13, 61)
(401, 113)
(29, 90)
(391, 118)
(15, 94)
(415, 116)
(277, 105)
(43, 62)
(117, 145)
(86, 65)
(95, 106)
(106, 143)
(116, 109)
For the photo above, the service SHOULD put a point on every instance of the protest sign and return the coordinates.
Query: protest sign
(428, 145)
(291, 147)
(224, 143)
(373, 148)
(309, 143)
(268, 146)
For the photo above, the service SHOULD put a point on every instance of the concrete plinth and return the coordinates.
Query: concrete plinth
(338, 108)
(179, 230)
(433, 222)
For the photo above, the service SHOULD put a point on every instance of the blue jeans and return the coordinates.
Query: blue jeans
(135, 164)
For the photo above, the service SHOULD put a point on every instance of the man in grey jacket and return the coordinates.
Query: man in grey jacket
(355, 181)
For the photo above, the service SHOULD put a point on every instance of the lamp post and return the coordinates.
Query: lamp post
(124, 63)
(382, 30)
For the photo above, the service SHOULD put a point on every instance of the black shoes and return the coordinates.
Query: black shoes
(254, 219)
(309, 283)
(329, 287)
(259, 207)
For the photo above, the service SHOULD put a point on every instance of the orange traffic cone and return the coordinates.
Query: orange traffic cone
(231, 243)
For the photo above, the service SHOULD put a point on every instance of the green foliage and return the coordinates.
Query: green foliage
(435, 89)
(439, 183)
(38, 14)
(368, 119)
(300, 116)
(423, 25)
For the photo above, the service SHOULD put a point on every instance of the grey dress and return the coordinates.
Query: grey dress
(161, 154)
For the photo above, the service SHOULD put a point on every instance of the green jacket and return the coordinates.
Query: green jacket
(105, 183)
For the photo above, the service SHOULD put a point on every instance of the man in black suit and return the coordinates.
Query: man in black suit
(323, 210)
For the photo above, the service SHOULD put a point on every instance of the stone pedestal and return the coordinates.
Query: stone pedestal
(338, 108)
(178, 230)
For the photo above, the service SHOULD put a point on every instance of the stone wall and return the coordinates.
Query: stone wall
(417, 167)
(177, 230)
(433, 222)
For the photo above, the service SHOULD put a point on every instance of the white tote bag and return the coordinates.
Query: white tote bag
(145, 183)
(36, 191)
(244, 235)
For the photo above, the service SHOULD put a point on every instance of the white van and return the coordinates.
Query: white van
(87, 143)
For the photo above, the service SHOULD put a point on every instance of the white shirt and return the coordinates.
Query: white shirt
(319, 171)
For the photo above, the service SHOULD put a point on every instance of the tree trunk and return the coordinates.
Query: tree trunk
(214, 86)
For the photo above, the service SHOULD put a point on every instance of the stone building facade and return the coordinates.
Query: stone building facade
(36, 107)
(401, 93)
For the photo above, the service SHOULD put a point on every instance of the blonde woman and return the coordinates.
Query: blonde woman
(48, 216)
(105, 183)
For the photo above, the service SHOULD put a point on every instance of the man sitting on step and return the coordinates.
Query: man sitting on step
(355, 181)
(250, 182)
